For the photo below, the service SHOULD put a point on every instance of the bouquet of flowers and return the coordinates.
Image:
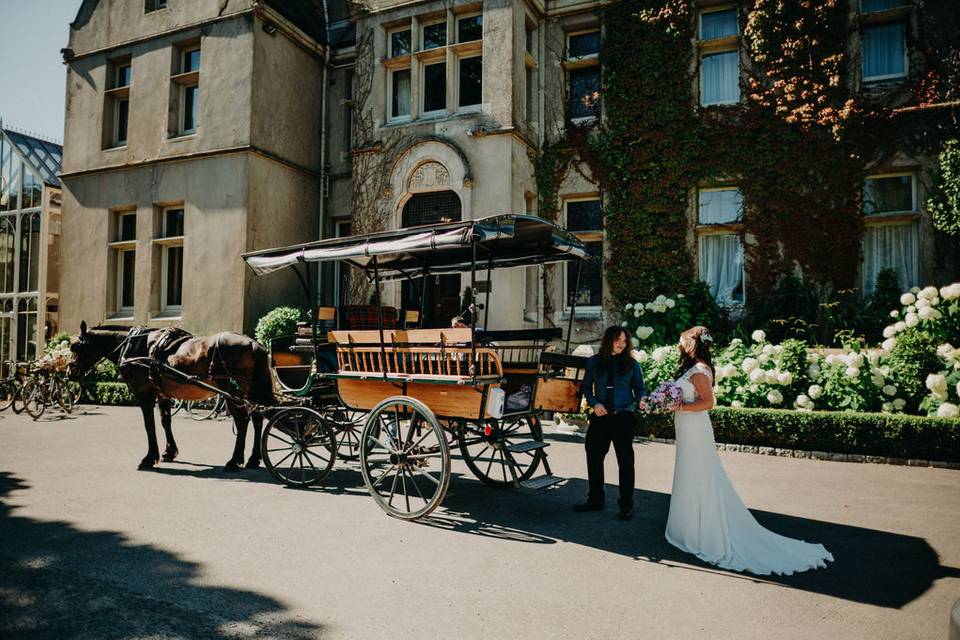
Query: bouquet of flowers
(664, 399)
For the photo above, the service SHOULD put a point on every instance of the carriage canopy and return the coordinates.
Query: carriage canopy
(501, 241)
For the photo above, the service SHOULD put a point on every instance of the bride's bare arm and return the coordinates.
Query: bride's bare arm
(704, 387)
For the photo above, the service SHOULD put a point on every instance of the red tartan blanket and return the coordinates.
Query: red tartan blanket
(364, 316)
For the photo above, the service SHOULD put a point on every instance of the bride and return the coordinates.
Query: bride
(707, 517)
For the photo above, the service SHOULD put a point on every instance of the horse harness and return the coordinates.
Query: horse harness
(138, 350)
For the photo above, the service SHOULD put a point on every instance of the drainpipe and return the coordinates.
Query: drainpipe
(322, 213)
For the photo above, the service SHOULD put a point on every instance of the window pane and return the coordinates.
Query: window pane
(584, 44)
(123, 75)
(29, 252)
(584, 215)
(720, 78)
(435, 35)
(26, 330)
(590, 292)
(8, 242)
(153, 5)
(890, 247)
(721, 267)
(400, 43)
(867, 6)
(400, 101)
(191, 108)
(585, 92)
(470, 28)
(123, 115)
(5, 153)
(471, 75)
(883, 54)
(431, 208)
(434, 87)
(530, 40)
(886, 195)
(531, 95)
(174, 269)
(718, 24)
(173, 223)
(720, 206)
(128, 227)
(191, 61)
(127, 277)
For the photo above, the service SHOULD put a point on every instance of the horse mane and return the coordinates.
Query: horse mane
(111, 327)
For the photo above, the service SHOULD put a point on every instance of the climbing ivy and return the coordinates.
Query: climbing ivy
(944, 200)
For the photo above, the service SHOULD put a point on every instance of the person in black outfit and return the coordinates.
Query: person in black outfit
(612, 385)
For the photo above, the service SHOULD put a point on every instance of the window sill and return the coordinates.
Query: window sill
(876, 81)
(180, 137)
(119, 147)
(122, 245)
(719, 104)
(121, 316)
(586, 121)
(169, 241)
(584, 313)
(165, 316)
(877, 219)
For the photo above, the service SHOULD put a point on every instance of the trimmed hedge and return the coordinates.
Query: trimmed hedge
(110, 393)
(873, 434)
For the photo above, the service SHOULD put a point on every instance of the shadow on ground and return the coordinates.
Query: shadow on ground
(57, 581)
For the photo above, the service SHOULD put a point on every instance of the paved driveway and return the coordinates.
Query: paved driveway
(92, 548)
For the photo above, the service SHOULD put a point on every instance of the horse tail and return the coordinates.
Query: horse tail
(261, 383)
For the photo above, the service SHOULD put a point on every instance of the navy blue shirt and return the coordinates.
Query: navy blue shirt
(628, 386)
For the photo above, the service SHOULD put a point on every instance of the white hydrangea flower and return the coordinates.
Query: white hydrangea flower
(950, 292)
(899, 404)
(785, 378)
(930, 314)
(749, 364)
(885, 370)
(813, 371)
(886, 407)
(948, 410)
(815, 391)
(802, 400)
(911, 309)
(889, 344)
(894, 314)
(660, 354)
(873, 357)
(889, 332)
(771, 377)
(832, 359)
(736, 342)
(928, 292)
(958, 388)
(774, 396)
(671, 303)
(754, 388)
(945, 350)
(758, 336)
(937, 382)
(768, 349)
(907, 299)
(628, 307)
(914, 290)
(852, 372)
(890, 390)
(813, 356)
(624, 324)
(854, 359)
(644, 332)
(637, 312)
(877, 381)
(922, 303)
(736, 404)
(741, 390)
(763, 358)
(660, 299)
(758, 375)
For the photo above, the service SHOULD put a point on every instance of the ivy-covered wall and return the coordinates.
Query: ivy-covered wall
(799, 143)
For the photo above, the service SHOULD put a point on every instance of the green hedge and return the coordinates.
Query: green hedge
(111, 393)
(874, 434)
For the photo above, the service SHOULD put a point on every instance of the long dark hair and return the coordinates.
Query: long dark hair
(695, 347)
(623, 361)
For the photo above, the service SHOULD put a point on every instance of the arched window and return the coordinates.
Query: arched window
(431, 208)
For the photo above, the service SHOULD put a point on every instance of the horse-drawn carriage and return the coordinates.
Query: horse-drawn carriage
(398, 397)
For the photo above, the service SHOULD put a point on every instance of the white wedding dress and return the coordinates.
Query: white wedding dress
(707, 517)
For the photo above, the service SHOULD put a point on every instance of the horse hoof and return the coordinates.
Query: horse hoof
(252, 464)
(147, 463)
(170, 457)
(231, 466)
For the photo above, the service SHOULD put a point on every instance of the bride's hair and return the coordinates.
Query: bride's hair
(695, 347)
(622, 361)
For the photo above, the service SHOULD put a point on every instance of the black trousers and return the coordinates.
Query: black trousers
(618, 429)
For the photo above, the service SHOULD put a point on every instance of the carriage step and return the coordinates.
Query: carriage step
(528, 445)
(541, 483)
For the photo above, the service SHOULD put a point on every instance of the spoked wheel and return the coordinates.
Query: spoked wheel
(19, 398)
(76, 390)
(64, 396)
(492, 447)
(8, 391)
(34, 400)
(347, 426)
(298, 447)
(405, 461)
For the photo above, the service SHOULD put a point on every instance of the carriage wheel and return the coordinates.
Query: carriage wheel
(347, 426)
(406, 460)
(298, 447)
(484, 449)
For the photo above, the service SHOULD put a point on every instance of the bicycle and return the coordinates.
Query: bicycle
(208, 409)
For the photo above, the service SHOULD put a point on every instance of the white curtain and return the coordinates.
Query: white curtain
(720, 78)
(721, 267)
(401, 93)
(890, 247)
(883, 50)
(719, 206)
(718, 24)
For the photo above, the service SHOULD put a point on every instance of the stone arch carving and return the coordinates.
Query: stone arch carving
(430, 164)
(429, 176)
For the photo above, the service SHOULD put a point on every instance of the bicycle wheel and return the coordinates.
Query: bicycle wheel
(36, 401)
(8, 390)
(19, 400)
(63, 394)
(177, 405)
(203, 409)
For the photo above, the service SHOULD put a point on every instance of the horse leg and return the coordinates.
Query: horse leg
(255, 454)
(170, 453)
(240, 420)
(149, 424)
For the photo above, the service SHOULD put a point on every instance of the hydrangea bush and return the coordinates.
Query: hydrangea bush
(916, 369)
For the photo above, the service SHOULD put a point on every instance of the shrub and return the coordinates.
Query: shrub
(913, 358)
(897, 436)
(281, 321)
(110, 393)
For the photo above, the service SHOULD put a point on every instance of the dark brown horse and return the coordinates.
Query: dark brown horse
(228, 361)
